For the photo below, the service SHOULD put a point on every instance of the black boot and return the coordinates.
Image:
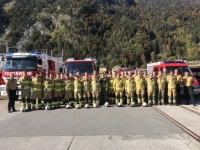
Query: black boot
(13, 109)
(9, 111)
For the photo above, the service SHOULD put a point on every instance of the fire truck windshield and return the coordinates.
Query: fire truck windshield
(82, 67)
(19, 64)
(181, 69)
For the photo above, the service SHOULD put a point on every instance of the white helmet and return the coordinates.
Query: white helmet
(119, 104)
(106, 104)
(23, 109)
(86, 105)
(94, 105)
(47, 108)
(68, 106)
(77, 106)
(132, 104)
(144, 104)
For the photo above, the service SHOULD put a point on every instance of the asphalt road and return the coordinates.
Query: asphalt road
(93, 128)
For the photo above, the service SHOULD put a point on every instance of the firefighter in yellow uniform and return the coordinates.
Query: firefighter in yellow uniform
(42, 77)
(130, 88)
(154, 74)
(78, 86)
(161, 82)
(118, 86)
(57, 88)
(111, 93)
(25, 82)
(151, 89)
(140, 87)
(165, 74)
(51, 77)
(63, 87)
(96, 89)
(87, 89)
(69, 87)
(37, 86)
(171, 80)
(47, 92)
(178, 86)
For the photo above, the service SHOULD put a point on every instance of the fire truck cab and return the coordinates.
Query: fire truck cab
(73, 66)
(172, 65)
(31, 62)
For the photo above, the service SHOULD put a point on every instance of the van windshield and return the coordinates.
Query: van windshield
(181, 69)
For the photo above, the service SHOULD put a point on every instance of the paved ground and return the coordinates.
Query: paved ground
(184, 117)
(95, 128)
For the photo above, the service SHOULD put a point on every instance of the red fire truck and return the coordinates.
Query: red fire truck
(172, 65)
(88, 65)
(34, 61)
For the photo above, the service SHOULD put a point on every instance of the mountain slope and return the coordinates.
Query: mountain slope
(126, 32)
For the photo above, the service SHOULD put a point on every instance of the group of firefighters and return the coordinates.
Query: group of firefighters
(120, 88)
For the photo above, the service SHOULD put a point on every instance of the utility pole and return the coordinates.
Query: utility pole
(7, 48)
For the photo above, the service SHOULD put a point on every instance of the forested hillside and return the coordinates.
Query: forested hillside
(126, 32)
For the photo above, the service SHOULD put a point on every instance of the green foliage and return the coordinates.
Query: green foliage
(124, 32)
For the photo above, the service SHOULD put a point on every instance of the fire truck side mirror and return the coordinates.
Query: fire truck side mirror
(61, 69)
(2, 58)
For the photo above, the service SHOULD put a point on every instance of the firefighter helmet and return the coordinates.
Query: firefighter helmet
(68, 106)
(94, 105)
(86, 105)
(106, 104)
(144, 104)
(132, 104)
(47, 107)
(23, 109)
(77, 106)
(119, 104)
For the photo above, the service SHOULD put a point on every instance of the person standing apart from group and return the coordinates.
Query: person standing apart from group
(11, 89)
(188, 89)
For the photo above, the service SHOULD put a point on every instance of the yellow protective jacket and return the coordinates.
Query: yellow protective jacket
(78, 86)
(48, 85)
(140, 82)
(86, 85)
(62, 84)
(161, 82)
(118, 84)
(151, 83)
(171, 80)
(188, 81)
(179, 79)
(130, 85)
(57, 84)
(96, 86)
(25, 82)
(37, 84)
(69, 85)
